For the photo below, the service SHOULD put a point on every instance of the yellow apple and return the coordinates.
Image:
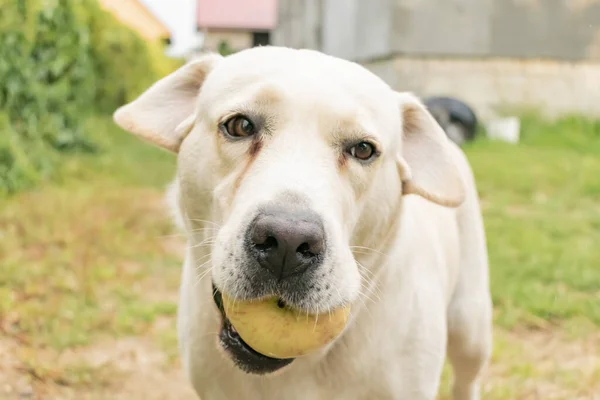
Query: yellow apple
(278, 331)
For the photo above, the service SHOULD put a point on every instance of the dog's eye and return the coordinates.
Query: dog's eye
(239, 127)
(363, 151)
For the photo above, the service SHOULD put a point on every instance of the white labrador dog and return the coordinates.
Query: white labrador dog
(306, 176)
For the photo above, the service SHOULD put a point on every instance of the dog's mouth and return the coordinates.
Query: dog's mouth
(246, 358)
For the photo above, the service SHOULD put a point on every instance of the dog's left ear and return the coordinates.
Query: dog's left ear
(426, 162)
(164, 114)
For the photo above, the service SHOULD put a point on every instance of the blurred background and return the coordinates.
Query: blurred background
(89, 262)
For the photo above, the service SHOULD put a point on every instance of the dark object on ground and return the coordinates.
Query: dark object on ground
(456, 118)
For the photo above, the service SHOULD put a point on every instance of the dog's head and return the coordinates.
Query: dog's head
(294, 157)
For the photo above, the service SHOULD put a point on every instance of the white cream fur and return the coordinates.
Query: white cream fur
(417, 277)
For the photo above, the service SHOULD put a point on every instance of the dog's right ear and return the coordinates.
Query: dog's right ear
(426, 164)
(164, 114)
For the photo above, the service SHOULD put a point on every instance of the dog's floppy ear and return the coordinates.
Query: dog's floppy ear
(426, 163)
(164, 114)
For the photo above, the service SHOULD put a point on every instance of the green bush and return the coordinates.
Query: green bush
(62, 61)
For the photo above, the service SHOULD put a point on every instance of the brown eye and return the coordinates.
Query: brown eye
(239, 127)
(363, 151)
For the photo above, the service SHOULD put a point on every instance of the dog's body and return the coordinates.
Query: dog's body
(415, 272)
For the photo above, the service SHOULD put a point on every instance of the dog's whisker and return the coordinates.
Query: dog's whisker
(368, 249)
(371, 289)
(365, 270)
(208, 239)
(205, 228)
(365, 308)
(202, 260)
(362, 297)
(370, 286)
(202, 276)
(233, 298)
(197, 246)
(205, 221)
(361, 251)
(205, 243)
(366, 283)
(172, 235)
(201, 266)
(208, 254)
(367, 291)
(370, 282)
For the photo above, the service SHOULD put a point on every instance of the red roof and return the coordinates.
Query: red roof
(237, 14)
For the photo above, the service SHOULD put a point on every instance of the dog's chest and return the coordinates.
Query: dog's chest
(297, 386)
(356, 380)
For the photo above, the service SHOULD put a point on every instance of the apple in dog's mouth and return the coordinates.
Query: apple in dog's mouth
(262, 336)
(244, 356)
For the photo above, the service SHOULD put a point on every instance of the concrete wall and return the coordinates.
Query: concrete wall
(363, 30)
(299, 24)
(495, 86)
(556, 29)
(494, 54)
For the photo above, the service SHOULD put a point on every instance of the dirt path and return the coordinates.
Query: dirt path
(544, 365)
(527, 366)
(125, 369)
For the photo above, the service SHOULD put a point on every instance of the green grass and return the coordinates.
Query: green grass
(542, 216)
(91, 257)
(73, 252)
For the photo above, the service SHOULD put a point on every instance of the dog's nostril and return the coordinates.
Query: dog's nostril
(304, 249)
(269, 243)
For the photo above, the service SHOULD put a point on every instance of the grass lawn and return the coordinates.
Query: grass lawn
(89, 271)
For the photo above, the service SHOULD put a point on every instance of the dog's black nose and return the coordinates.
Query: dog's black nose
(287, 242)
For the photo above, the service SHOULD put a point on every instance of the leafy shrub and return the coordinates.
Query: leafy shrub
(224, 48)
(60, 62)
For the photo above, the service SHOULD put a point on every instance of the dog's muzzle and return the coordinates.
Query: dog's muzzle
(284, 245)
(286, 242)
